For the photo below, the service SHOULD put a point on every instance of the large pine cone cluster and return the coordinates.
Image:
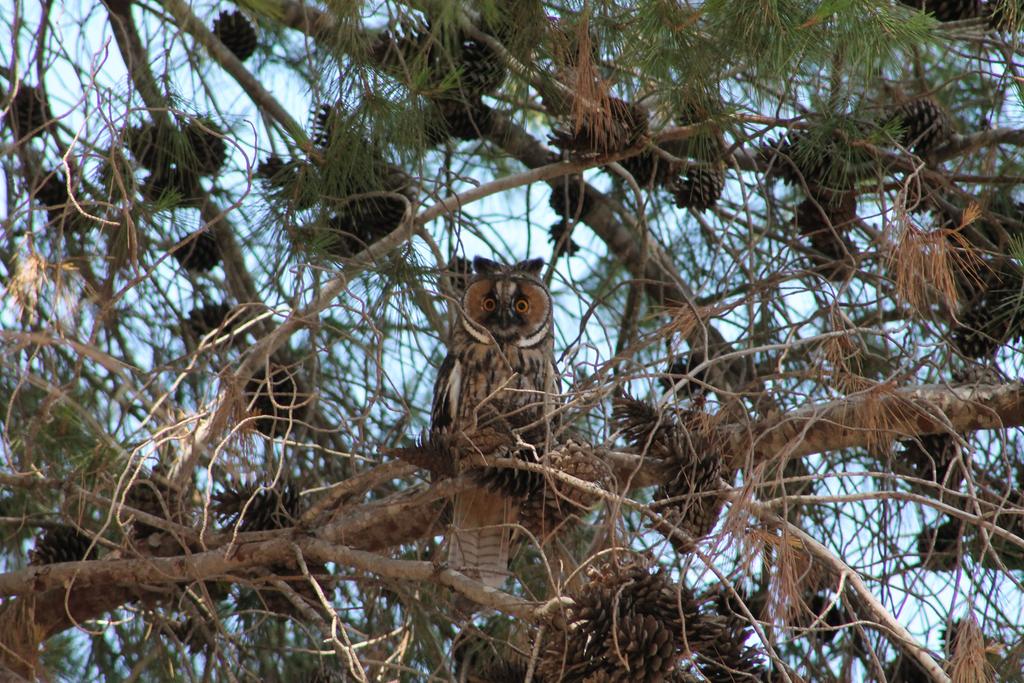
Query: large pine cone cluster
(826, 164)
(697, 184)
(689, 500)
(60, 544)
(510, 481)
(723, 655)
(631, 623)
(650, 169)
(372, 214)
(625, 625)
(603, 129)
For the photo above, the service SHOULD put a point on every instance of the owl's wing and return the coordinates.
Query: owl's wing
(446, 394)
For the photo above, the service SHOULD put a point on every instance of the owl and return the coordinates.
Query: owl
(498, 377)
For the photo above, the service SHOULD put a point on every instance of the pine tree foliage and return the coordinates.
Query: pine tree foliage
(783, 241)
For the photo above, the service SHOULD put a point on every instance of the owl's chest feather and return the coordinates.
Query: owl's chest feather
(504, 378)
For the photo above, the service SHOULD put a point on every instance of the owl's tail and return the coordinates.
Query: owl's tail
(480, 537)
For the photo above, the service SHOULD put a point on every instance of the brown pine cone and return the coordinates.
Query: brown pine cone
(60, 544)
(624, 625)
(691, 457)
(947, 10)
(557, 503)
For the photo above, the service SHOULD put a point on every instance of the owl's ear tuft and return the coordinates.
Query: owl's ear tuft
(483, 265)
(531, 266)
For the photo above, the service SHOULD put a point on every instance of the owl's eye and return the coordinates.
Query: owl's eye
(489, 304)
(522, 305)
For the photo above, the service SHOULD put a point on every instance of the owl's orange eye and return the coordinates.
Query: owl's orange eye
(489, 304)
(522, 305)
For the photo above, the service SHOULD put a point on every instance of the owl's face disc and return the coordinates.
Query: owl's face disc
(512, 309)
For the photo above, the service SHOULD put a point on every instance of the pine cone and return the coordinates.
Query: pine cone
(171, 180)
(724, 655)
(625, 625)
(598, 131)
(274, 171)
(907, 670)
(366, 217)
(829, 622)
(930, 456)
(690, 452)
(237, 34)
(60, 544)
(547, 510)
(265, 508)
(563, 245)
(824, 161)
(460, 119)
(999, 19)
(29, 114)
(205, 319)
(154, 494)
(795, 163)
(993, 316)
(937, 546)
(149, 146)
(510, 482)
(824, 223)
(681, 368)
(443, 53)
(53, 193)
(569, 198)
(208, 149)
(277, 402)
(946, 10)
(324, 119)
(479, 660)
(178, 157)
(482, 72)
(649, 169)
(700, 188)
(200, 253)
(926, 126)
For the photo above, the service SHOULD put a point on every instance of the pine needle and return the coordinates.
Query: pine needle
(925, 264)
(968, 663)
